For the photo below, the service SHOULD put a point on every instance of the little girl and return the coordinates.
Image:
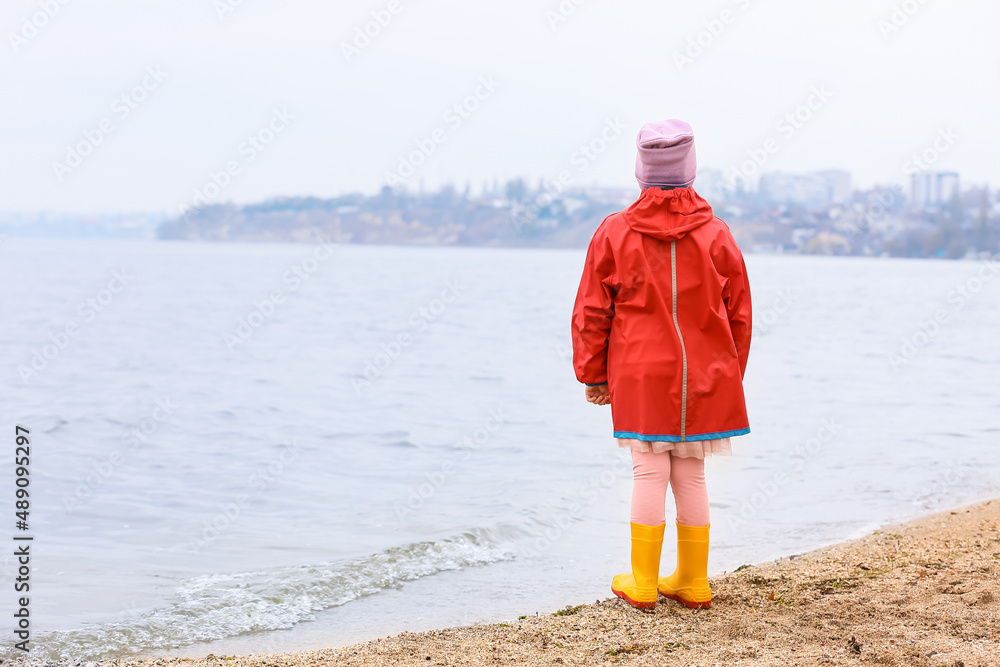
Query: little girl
(661, 332)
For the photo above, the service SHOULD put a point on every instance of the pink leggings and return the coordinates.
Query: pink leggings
(686, 476)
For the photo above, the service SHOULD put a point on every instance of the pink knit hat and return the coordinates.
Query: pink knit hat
(666, 155)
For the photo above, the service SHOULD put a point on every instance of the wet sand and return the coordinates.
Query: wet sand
(925, 593)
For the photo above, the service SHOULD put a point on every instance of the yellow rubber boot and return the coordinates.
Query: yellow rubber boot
(638, 587)
(689, 582)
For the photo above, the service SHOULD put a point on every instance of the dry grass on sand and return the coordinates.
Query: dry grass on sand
(922, 594)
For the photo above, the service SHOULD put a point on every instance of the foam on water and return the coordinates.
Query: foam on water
(219, 606)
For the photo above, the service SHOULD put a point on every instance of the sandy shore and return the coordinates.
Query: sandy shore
(923, 593)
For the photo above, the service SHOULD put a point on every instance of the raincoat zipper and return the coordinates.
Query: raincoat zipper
(677, 326)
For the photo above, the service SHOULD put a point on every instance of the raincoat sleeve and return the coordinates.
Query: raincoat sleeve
(736, 296)
(593, 312)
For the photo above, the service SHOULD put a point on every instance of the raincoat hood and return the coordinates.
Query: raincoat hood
(668, 215)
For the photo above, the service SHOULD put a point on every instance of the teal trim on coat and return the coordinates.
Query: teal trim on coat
(677, 438)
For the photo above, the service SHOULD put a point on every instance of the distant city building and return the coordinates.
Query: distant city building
(930, 189)
(839, 185)
(813, 190)
(711, 184)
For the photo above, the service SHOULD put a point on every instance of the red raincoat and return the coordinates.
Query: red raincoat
(663, 315)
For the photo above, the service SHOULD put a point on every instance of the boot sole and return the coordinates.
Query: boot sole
(637, 605)
(688, 603)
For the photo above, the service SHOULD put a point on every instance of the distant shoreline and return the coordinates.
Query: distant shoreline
(984, 257)
(845, 223)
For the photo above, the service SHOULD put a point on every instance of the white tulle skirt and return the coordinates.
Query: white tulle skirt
(698, 449)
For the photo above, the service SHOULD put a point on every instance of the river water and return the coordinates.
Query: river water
(246, 448)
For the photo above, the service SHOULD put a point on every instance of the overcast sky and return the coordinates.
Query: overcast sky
(327, 122)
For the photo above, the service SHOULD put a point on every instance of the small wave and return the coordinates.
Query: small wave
(56, 424)
(227, 605)
(404, 444)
